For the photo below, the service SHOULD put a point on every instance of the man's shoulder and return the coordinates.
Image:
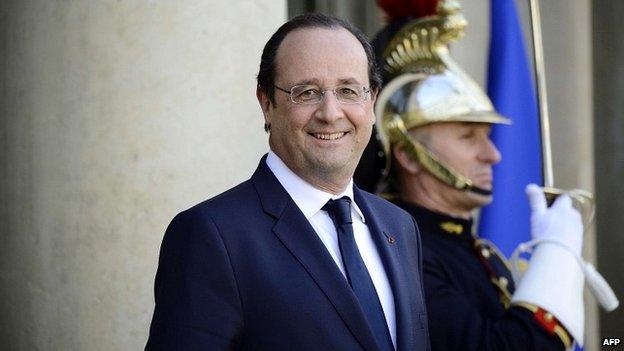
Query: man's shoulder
(229, 202)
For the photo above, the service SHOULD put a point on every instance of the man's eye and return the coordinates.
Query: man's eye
(347, 91)
(308, 93)
(468, 135)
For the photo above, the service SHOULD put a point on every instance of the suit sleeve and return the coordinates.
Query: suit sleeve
(456, 324)
(421, 277)
(197, 300)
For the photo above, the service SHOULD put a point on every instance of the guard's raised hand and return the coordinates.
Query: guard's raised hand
(560, 222)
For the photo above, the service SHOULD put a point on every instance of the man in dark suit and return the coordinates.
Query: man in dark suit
(297, 257)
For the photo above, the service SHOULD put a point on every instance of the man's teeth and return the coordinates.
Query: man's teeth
(332, 136)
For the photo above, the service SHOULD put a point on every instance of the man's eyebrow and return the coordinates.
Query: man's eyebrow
(348, 81)
(312, 81)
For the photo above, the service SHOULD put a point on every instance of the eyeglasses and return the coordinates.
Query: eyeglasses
(348, 94)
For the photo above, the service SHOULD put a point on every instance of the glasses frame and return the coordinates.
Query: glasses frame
(365, 90)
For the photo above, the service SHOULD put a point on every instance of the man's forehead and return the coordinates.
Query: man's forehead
(458, 125)
(475, 124)
(310, 52)
(442, 128)
(318, 36)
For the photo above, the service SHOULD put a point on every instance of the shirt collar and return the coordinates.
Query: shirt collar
(309, 199)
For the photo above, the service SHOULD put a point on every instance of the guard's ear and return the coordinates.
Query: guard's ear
(405, 161)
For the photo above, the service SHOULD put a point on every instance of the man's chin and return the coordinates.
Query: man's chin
(481, 200)
(330, 163)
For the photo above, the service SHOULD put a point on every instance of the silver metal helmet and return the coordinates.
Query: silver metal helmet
(427, 86)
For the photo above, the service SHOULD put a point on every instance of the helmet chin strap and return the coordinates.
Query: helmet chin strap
(429, 161)
(432, 163)
(480, 191)
(443, 172)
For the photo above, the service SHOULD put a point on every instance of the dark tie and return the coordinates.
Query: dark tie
(357, 275)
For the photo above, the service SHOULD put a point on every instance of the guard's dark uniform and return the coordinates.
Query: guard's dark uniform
(467, 288)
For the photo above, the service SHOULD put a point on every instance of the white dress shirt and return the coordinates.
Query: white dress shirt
(310, 200)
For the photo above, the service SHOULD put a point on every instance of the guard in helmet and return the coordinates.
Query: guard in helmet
(433, 123)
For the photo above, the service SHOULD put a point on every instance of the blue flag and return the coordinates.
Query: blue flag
(510, 86)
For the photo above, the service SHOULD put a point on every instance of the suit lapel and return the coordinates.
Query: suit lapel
(388, 244)
(298, 236)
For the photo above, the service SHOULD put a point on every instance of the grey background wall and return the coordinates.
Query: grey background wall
(118, 114)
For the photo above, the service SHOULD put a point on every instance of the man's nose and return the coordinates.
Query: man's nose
(489, 152)
(329, 109)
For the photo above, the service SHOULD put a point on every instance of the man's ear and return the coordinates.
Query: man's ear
(405, 160)
(373, 97)
(265, 105)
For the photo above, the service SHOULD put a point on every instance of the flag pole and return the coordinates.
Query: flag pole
(542, 98)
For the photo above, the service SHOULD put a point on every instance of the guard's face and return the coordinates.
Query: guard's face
(323, 142)
(468, 149)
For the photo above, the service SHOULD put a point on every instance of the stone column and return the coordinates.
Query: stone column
(116, 116)
(608, 45)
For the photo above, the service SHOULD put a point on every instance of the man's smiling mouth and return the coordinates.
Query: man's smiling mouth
(328, 136)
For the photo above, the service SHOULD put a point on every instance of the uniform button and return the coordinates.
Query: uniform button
(391, 240)
(503, 281)
(485, 252)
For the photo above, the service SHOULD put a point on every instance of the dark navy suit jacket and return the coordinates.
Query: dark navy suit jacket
(246, 271)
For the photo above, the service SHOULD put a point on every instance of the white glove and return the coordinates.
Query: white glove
(554, 277)
(548, 224)
(561, 222)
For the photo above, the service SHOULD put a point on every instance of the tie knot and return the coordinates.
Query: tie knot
(339, 210)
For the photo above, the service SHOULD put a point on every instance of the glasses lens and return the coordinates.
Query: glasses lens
(306, 94)
(311, 94)
(350, 94)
